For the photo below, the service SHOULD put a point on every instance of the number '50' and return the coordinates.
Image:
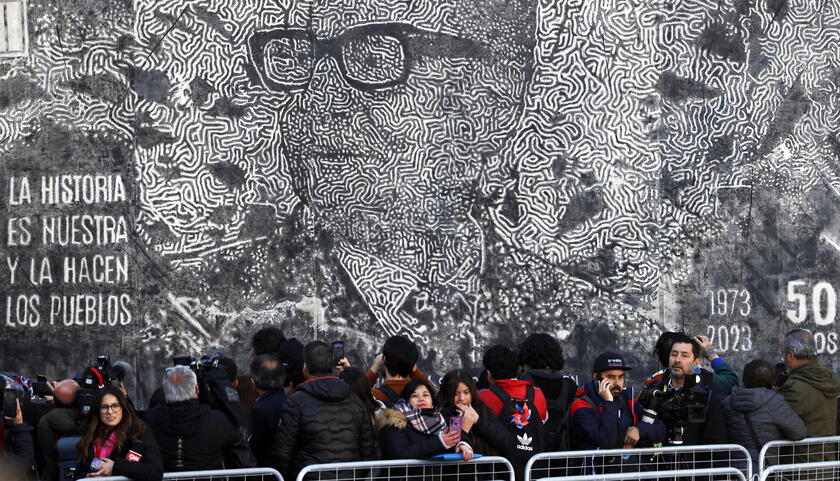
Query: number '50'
(823, 292)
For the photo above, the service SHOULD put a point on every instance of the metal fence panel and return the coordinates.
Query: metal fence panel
(824, 449)
(823, 471)
(612, 461)
(717, 474)
(486, 468)
(251, 474)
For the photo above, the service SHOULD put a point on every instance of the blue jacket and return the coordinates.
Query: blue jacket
(265, 415)
(596, 423)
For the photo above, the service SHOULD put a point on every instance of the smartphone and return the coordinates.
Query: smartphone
(95, 464)
(455, 423)
(337, 352)
(40, 388)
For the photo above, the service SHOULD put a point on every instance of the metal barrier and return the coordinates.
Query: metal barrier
(731, 474)
(250, 474)
(485, 468)
(824, 471)
(571, 464)
(790, 452)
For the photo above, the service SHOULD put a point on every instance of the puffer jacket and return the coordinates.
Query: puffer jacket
(323, 421)
(401, 441)
(771, 417)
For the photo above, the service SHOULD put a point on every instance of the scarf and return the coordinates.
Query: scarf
(426, 421)
(103, 450)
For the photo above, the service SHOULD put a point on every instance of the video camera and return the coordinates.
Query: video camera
(94, 378)
(677, 408)
(214, 386)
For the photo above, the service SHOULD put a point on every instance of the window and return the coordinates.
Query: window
(13, 31)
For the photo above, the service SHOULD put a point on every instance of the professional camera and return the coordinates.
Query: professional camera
(94, 378)
(677, 408)
(214, 387)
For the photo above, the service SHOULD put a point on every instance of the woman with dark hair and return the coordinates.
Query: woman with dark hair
(756, 414)
(415, 427)
(118, 443)
(480, 427)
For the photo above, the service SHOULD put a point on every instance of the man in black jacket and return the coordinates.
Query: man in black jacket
(65, 420)
(191, 436)
(323, 421)
(267, 373)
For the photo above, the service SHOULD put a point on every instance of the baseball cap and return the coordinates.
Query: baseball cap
(610, 360)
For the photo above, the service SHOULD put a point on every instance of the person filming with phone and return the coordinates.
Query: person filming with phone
(605, 414)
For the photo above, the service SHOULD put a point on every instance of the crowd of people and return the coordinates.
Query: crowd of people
(302, 405)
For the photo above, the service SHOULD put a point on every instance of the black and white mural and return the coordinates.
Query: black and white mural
(176, 174)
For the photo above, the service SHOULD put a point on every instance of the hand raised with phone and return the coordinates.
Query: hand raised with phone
(604, 386)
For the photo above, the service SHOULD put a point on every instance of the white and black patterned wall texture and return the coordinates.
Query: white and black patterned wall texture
(176, 174)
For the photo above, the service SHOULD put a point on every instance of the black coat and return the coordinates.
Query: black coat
(20, 450)
(323, 421)
(59, 423)
(265, 415)
(191, 436)
(399, 440)
(488, 436)
(150, 466)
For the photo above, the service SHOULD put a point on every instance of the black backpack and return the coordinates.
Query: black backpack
(522, 419)
(558, 427)
(393, 396)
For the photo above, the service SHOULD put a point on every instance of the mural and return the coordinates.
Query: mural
(464, 172)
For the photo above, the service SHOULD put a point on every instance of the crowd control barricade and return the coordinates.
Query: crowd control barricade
(822, 471)
(249, 474)
(485, 468)
(570, 464)
(729, 474)
(824, 449)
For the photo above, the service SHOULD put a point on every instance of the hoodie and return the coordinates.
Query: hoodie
(323, 421)
(598, 424)
(771, 418)
(191, 436)
(812, 390)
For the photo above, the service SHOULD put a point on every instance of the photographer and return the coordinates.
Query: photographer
(605, 414)
(686, 401)
(191, 436)
(64, 420)
(17, 453)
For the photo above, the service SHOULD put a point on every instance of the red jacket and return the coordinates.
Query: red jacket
(515, 389)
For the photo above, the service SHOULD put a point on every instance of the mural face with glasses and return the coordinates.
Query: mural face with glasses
(395, 109)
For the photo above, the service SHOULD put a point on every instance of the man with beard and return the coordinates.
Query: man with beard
(605, 414)
(686, 401)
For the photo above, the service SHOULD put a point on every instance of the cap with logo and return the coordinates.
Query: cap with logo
(610, 360)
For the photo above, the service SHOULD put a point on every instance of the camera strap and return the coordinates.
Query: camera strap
(752, 430)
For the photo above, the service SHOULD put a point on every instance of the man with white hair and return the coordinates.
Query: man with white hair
(811, 389)
(191, 436)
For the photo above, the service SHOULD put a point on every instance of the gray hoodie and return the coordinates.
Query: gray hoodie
(771, 416)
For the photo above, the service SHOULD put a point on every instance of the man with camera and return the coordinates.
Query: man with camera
(605, 414)
(685, 400)
(191, 436)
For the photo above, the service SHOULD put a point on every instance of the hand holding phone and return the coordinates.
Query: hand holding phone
(604, 386)
(455, 424)
(337, 352)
